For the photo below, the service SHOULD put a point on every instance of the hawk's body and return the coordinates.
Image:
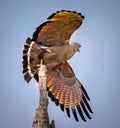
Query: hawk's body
(63, 87)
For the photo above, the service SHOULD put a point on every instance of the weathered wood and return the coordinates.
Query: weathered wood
(41, 118)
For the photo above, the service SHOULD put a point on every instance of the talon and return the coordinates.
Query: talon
(49, 51)
(41, 63)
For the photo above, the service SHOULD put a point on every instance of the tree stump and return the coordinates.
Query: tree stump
(41, 118)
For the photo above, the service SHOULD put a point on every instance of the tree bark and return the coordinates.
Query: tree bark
(41, 118)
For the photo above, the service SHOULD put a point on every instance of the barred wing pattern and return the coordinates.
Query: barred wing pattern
(62, 85)
(65, 90)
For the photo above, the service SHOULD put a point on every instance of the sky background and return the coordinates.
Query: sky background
(97, 65)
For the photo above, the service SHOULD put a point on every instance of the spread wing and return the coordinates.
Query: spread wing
(65, 90)
(63, 87)
(58, 29)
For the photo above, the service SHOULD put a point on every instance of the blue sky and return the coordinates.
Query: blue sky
(97, 65)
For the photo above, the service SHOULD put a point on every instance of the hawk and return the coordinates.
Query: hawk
(50, 43)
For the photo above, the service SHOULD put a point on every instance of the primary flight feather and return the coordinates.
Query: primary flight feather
(62, 85)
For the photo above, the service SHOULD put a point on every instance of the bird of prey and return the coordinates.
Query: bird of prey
(50, 43)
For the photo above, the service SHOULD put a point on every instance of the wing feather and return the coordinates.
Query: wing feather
(58, 29)
(64, 86)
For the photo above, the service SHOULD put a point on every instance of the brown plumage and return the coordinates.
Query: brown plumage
(63, 87)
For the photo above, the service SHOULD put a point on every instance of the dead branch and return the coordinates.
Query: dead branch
(41, 118)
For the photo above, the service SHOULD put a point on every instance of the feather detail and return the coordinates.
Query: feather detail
(63, 87)
(68, 91)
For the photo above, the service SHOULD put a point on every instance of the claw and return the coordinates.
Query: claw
(49, 51)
